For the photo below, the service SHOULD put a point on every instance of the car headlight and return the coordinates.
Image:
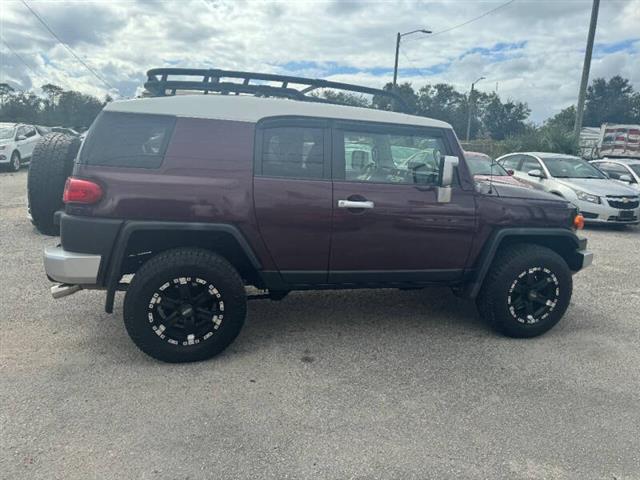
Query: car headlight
(587, 197)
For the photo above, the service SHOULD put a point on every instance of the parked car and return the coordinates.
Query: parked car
(625, 170)
(599, 199)
(484, 169)
(17, 142)
(199, 196)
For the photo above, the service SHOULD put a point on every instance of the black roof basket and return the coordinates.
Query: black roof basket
(159, 83)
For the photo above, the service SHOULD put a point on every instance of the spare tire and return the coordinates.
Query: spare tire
(51, 164)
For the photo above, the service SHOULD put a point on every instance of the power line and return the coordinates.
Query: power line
(19, 57)
(67, 47)
(489, 12)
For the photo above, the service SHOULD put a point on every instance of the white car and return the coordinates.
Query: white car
(599, 199)
(17, 142)
(626, 170)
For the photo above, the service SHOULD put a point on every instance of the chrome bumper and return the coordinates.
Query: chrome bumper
(70, 267)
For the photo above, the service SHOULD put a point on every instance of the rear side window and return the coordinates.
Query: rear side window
(127, 140)
(294, 152)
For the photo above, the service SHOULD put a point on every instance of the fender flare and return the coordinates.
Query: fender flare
(128, 228)
(490, 249)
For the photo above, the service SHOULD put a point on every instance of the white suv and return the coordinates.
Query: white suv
(599, 199)
(17, 142)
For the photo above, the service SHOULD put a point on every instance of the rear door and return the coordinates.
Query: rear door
(387, 224)
(292, 194)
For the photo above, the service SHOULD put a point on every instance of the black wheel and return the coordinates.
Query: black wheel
(51, 164)
(526, 291)
(15, 163)
(185, 305)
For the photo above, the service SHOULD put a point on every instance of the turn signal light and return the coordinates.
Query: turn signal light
(578, 222)
(77, 190)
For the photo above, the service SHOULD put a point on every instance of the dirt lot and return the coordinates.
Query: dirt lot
(367, 384)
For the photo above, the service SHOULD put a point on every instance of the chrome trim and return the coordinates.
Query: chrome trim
(63, 290)
(355, 204)
(71, 267)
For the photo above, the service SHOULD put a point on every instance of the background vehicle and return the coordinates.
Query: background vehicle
(625, 170)
(599, 199)
(17, 142)
(200, 196)
(484, 169)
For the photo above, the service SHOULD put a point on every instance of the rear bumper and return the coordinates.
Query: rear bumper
(71, 267)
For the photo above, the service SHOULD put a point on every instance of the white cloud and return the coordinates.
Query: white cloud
(533, 50)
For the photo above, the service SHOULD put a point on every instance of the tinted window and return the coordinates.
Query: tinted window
(386, 158)
(483, 165)
(29, 132)
(127, 140)
(511, 163)
(294, 152)
(529, 164)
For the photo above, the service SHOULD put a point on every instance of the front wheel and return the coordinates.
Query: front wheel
(526, 291)
(185, 305)
(15, 162)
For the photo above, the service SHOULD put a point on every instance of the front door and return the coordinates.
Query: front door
(387, 224)
(292, 195)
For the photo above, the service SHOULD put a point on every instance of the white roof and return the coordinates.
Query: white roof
(244, 108)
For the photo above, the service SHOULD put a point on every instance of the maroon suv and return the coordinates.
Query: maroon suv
(201, 196)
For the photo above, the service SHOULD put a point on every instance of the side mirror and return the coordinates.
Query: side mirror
(510, 172)
(21, 137)
(536, 173)
(625, 178)
(444, 190)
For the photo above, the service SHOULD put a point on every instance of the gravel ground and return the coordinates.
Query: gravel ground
(354, 384)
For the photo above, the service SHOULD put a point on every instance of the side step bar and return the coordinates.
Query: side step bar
(64, 289)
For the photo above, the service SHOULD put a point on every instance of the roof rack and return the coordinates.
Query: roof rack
(159, 83)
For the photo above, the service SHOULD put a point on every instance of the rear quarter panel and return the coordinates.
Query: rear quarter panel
(206, 176)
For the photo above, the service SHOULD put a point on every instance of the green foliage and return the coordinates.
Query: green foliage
(58, 108)
(612, 101)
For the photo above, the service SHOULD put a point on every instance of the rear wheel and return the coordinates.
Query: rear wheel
(51, 164)
(526, 292)
(185, 305)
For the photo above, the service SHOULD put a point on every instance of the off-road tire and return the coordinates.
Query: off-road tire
(497, 290)
(165, 268)
(16, 162)
(51, 164)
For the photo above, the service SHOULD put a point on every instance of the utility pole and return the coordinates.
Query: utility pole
(585, 70)
(395, 66)
(470, 108)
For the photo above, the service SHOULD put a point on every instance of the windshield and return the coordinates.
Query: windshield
(568, 167)
(7, 132)
(636, 168)
(484, 166)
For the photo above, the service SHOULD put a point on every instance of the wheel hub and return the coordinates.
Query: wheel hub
(533, 295)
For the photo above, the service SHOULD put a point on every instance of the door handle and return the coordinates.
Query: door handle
(355, 204)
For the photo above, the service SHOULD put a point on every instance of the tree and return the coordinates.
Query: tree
(52, 91)
(504, 119)
(610, 101)
(5, 89)
(343, 98)
(564, 120)
(404, 90)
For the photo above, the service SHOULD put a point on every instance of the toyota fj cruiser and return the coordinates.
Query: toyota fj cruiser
(255, 184)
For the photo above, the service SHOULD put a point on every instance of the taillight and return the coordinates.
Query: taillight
(77, 190)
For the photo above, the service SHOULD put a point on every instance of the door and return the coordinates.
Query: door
(522, 173)
(387, 224)
(292, 195)
(30, 143)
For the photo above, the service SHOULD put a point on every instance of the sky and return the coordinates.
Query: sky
(528, 50)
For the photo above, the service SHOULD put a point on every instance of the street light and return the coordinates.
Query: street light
(400, 35)
(471, 106)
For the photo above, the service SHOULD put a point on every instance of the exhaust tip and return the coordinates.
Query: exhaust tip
(64, 289)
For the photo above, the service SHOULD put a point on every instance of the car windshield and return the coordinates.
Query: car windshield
(636, 168)
(569, 167)
(484, 166)
(7, 132)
